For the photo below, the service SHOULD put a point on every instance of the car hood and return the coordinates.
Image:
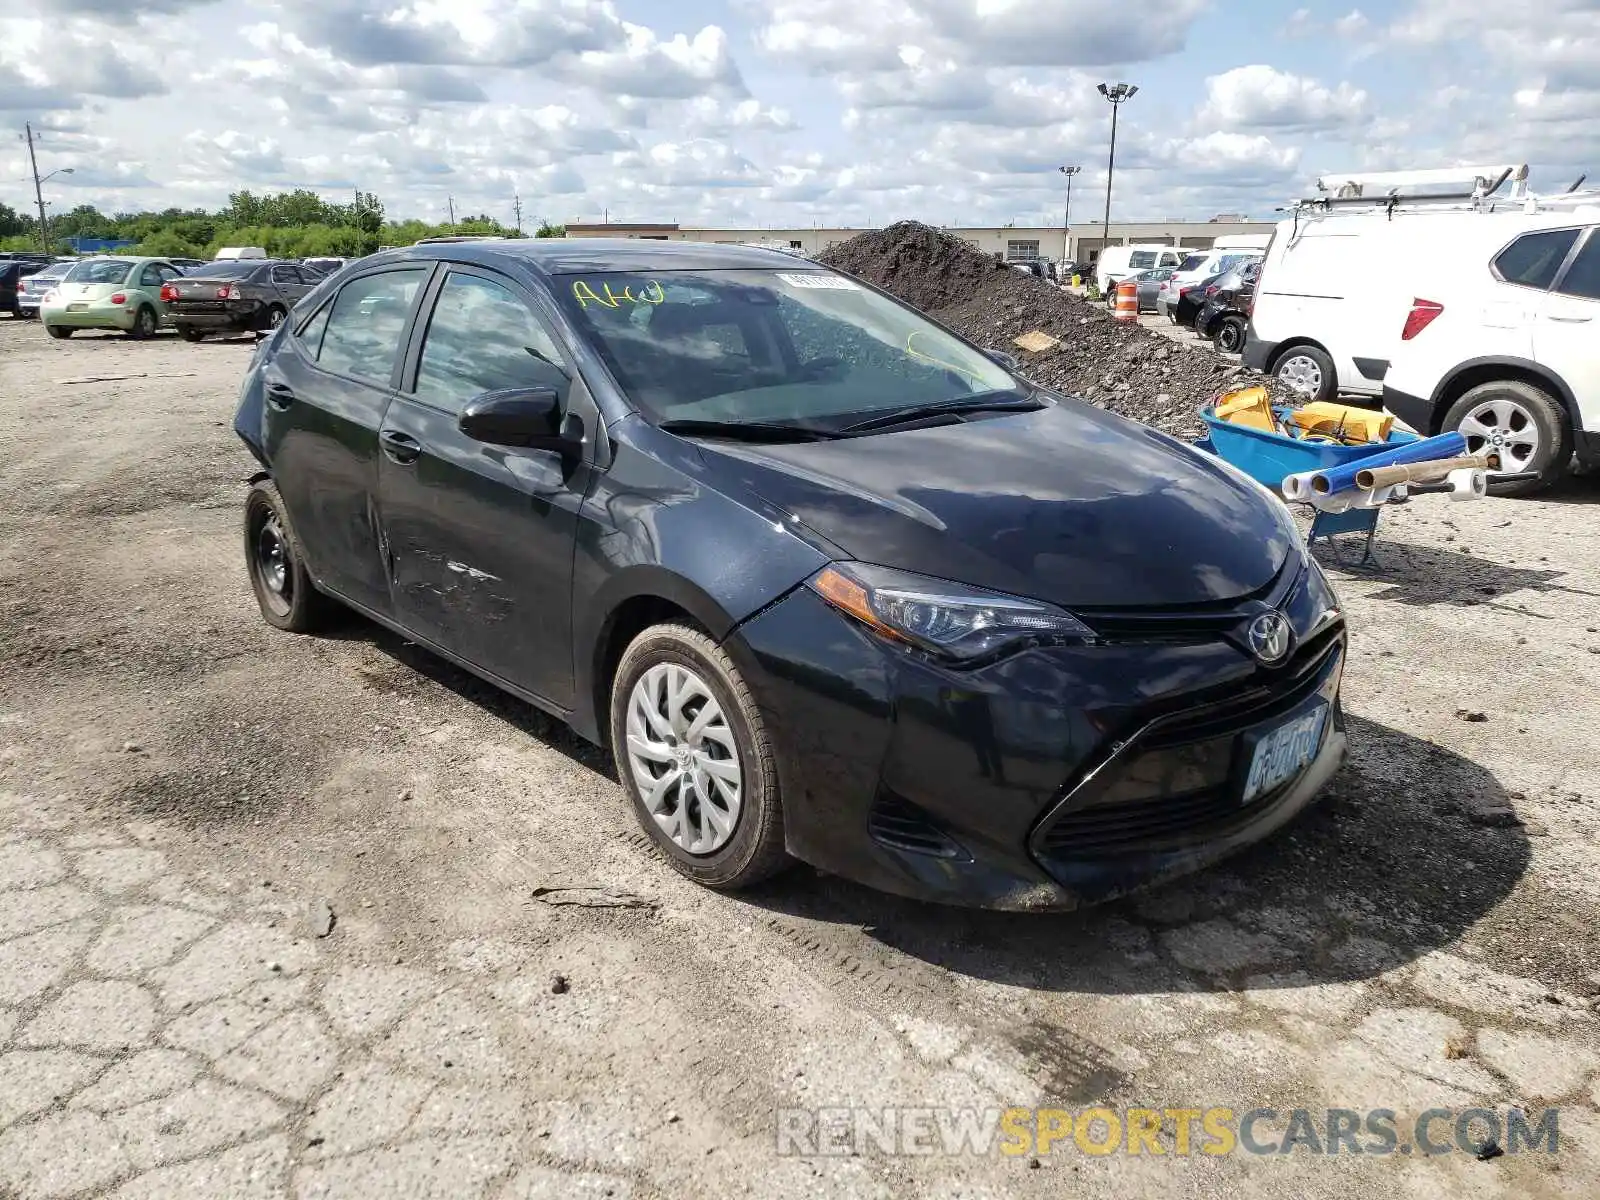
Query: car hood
(1069, 504)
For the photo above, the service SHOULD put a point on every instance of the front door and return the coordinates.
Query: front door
(481, 537)
(326, 392)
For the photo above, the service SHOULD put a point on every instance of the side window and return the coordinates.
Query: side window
(150, 276)
(285, 274)
(1583, 277)
(1534, 258)
(364, 326)
(311, 332)
(482, 337)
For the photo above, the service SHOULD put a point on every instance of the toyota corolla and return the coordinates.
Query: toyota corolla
(831, 583)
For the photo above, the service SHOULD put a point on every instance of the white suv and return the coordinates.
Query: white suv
(1508, 352)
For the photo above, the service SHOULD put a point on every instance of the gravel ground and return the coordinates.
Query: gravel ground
(1126, 367)
(182, 788)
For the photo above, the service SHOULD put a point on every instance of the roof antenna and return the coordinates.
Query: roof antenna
(1578, 182)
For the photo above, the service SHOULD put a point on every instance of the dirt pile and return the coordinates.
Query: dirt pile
(1121, 367)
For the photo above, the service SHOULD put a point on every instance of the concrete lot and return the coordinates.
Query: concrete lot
(180, 786)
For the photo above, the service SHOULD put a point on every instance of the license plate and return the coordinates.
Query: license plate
(1284, 752)
(77, 308)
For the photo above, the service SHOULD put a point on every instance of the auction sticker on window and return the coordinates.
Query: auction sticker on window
(828, 283)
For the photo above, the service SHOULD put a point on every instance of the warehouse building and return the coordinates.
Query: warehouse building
(1079, 243)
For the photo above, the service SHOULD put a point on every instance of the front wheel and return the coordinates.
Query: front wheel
(1229, 334)
(1522, 424)
(278, 575)
(692, 751)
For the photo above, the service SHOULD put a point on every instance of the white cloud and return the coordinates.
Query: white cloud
(1260, 97)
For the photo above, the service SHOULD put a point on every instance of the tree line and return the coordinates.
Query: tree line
(295, 224)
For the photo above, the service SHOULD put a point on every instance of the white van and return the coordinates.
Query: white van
(233, 253)
(1118, 262)
(1340, 274)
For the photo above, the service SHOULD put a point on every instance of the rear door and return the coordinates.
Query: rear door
(1566, 337)
(481, 537)
(289, 283)
(326, 391)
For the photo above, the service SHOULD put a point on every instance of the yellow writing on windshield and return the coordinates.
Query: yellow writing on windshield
(584, 292)
(930, 360)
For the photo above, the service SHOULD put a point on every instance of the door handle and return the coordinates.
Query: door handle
(280, 395)
(400, 447)
(1569, 320)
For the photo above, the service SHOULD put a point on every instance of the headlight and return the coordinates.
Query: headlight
(949, 619)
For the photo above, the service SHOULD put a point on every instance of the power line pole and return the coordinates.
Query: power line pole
(516, 207)
(451, 201)
(38, 192)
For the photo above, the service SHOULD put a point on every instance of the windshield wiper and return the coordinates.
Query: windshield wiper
(747, 431)
(987, 402)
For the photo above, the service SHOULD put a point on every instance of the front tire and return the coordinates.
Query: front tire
(692, 751)
(278, 576)
(1523, 424)
(1309, 371)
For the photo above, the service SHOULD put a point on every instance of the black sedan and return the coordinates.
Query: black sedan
(235, 296)
(832, 584)
(1225, 316)
(1194, 298)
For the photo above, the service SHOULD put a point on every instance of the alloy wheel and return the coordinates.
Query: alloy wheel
(1503, 427)
(684, 758)
(1301, 373)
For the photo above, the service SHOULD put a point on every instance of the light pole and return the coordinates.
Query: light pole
(1118, 94)
(38, 193)
(1066, 221)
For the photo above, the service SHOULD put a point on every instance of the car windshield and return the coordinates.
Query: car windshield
(225, 270)
(100, 270)
(1142, 258)
(771, 346)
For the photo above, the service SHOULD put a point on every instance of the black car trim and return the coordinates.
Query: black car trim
(1563, 392)
(1372, 368)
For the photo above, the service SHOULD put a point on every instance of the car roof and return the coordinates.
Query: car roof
(572, 256)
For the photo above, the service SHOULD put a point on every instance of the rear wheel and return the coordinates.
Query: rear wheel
(273, 319)
(692, 751)
(278, 575)
(1309, 371)
(190, 334)
(144, 323)
(1522, 424)
(58, 331)
(1229, 335)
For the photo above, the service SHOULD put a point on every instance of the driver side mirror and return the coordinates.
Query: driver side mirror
(526, 417)
(1008, 361)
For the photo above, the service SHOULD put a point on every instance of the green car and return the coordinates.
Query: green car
(109, 293)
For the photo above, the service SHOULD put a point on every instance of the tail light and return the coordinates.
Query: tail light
(168, 293)
(231, 291)
(1420, 317)
(119, 298)
(22, 286)
(1211, 291)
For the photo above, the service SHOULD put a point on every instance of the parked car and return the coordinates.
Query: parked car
(1501, 345)
(236, 297)
(232, 253)
(109, 293)
(1149, 283)
(188, 265)
(32, 289)
(1194, 298)
(12, 272)
(1225, 316)
(740, 518)
(1118, 262)
(1195, 270)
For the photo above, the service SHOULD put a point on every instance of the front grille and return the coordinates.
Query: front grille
(1181, 778)
(901, 825)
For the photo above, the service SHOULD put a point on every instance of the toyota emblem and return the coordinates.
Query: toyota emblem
(1269, 637)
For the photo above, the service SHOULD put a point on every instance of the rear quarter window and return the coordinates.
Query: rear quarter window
(1142, 259)
(1534, 258)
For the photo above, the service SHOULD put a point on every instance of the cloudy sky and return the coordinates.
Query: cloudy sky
(775, 112)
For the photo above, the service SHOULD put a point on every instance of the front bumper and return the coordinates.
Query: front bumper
(1054, 778)
(92, 316)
